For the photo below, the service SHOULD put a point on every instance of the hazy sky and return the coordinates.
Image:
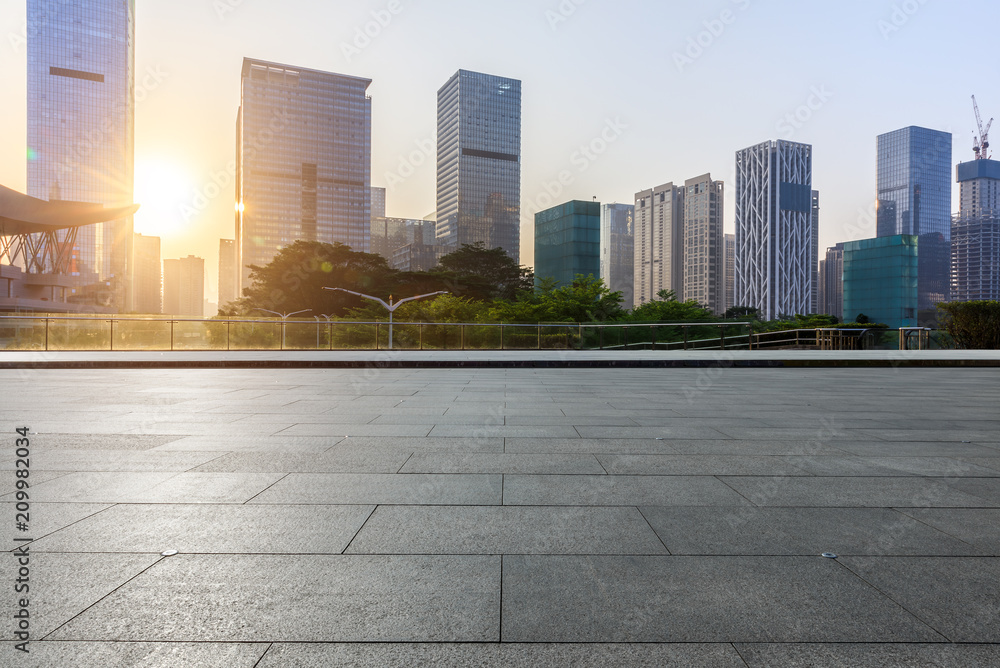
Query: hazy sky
(677, 87)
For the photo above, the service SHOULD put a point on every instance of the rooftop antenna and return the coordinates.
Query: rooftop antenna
(981, 144)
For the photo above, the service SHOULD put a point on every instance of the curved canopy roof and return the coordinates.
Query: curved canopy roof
(22, 214)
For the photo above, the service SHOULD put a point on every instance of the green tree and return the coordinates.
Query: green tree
(742, 313)
(587, 299)
(669, 309)
(295, 278)
(474, 271)
(974, 325)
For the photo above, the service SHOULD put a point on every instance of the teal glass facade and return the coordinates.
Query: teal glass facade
(880, 280)
(568, 242)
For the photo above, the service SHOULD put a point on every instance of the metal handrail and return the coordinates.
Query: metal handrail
(571, 330)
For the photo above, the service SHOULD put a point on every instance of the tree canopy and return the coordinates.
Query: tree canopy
(295, 278)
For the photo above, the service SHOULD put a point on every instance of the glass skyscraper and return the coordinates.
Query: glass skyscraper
(303, 161)
(914, 198)
(568, 242)
(479, 162)
(618, 250)
(81, 98)
(880, 280)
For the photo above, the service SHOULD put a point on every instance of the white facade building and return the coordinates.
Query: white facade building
(774, 229)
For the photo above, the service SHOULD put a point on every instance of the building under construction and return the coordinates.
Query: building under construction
(975, 233)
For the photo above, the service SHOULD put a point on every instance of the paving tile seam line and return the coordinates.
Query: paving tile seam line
(493, 643)
(500, 364)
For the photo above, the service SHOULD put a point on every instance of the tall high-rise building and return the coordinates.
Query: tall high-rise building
(831, 282)
(975, 233)
(659, 247)
(814, 261)
(378, 203)
(880, 280)
(774, 228)
(914, 198)
(148, 281)
(184, 287)
(730, 270)
(479, 162)
(568, 242)
(303, 161)
(618, 250)
(227, 272)
(81, 109)
(703, 243)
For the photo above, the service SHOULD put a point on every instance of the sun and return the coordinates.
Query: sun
(163, 190)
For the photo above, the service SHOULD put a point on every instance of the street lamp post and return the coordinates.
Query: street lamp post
(391, 306)
(317, 317)
(284, 318)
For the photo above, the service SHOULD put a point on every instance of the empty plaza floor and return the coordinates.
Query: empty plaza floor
(513, 517)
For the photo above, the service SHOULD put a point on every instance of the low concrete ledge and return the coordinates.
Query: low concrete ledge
(492, 359)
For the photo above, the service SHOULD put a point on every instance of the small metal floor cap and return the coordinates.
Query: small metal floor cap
(168, 553)
(829, 555)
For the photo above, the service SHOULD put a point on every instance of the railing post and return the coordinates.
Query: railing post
(625, 338)
(229, 334)
(463, 335)
(722, 336)
(420, 335)
(46, 334)
(539, 333)
(329, 332)
(600, 338)
(112, 321)
(171, 334)
(501, 337)
(652, 334)
(685, 330)
(376, 336)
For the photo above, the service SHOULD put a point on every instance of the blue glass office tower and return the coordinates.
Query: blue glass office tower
(618, 250)
(914, 198)
(568, 242)
(81, 99)
(479, 162)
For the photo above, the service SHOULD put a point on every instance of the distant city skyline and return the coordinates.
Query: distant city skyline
(719, 94)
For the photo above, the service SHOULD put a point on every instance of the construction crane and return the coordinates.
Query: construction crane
(982, 144)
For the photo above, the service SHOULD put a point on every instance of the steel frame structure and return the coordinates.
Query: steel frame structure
(773, 244)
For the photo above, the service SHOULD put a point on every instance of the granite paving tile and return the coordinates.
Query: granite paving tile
(505, 530)
(699, 465)
(589, 446)
(867, 655)
(264, 598)
(617, 490)
(503, 431)
(890, 466)
(49, 654)
(697, 599)
(212, 529)
(364, 489)
(853, 492)
(58, 592)
(573, 464)
(505, 655)
(369, 460)
(799, 532)
(957, 597)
